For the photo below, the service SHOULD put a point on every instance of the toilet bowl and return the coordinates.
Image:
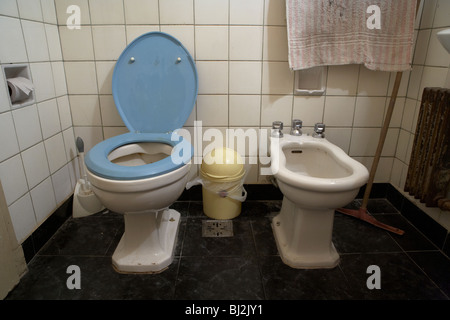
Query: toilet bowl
(315, 177)
(141, 173)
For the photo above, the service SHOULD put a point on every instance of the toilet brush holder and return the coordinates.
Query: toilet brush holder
(85, 203)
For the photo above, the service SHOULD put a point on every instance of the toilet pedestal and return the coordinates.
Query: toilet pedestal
(304, 237)
(148, 243)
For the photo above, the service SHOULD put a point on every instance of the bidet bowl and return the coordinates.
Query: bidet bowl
(314, 173)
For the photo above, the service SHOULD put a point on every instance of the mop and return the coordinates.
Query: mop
(362, 212)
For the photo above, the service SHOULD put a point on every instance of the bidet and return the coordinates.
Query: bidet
(315, 177)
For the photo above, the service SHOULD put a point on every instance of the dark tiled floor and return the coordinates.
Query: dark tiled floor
(245, 266)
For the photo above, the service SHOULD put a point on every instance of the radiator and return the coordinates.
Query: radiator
(428, 177)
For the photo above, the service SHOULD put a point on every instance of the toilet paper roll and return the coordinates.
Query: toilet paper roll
(20, 88)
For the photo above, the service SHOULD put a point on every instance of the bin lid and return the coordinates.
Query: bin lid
(222, 165)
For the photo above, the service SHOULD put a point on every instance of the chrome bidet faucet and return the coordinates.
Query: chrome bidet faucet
(319, 130)
(277, 127)
(296, 127)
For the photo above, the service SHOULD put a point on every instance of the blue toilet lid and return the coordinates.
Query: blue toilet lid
(155, 84)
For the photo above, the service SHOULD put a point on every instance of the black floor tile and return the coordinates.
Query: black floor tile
(400, 278)
(221, 278)
(282, 282)
(246, 266)
(352, 235)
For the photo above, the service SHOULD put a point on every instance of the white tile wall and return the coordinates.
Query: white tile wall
(34, 166)
(240, 49)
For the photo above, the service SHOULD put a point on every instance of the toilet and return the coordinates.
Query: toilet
(141, 173)
(315, 177)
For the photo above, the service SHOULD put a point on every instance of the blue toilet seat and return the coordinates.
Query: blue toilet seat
(154, 87)
(98, 163)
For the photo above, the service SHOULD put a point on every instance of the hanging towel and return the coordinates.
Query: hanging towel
(336, 32)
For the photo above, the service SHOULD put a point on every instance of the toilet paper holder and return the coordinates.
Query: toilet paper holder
(19, 85)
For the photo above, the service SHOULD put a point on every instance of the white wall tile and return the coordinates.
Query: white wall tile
(13, 44)
(104, 76)
(213, 77)
(43, 199)
(176, 11)
(8, 140)
(141, 11)
(85, 110)
(340, 137)
(81, 77)
(59, 78)
(109, 41)
(250, 12)
(27, 125)
(275, 44)
(212, 110)
(35, 40)
(339, 111)
(277, 78)
(110, 115)
(9, 8)
(403, 142)
(408, 114)
(342, 80)
(76, 44)
(369, 111)
(276, 108)
(49, 11)
(35, 164)
(69, 144)
(56, 153)
(420, 49)
(245, 77)
(22, 217)
(62, 185)
(43, 82)
(211, 42)
(53, 42)
(245, 110)
(309, 109)
(49, 118)
(106, 11)
(275, 12)
(373, 83)
(442, 15)
(246, 42)
(13, 179)
(211, 11)
(30, 9)
(364, 142)
(64, 112)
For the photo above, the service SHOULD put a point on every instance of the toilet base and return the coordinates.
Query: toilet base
(303, 237)
(148, 243)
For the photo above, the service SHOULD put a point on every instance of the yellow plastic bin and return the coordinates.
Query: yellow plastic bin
(222, 173)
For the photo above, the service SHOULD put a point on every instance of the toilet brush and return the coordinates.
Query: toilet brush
(85, 187)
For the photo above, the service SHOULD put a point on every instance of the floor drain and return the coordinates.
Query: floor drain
(217, 228)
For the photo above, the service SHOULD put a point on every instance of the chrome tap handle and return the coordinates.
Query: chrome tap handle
(319, 130)
(277, 127)
(296, 127)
